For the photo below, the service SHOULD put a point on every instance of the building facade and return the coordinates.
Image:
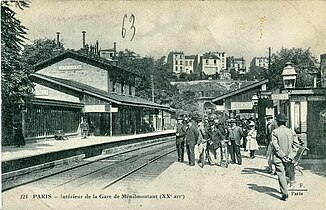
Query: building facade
(238, 64)
(177, 62)
(74, 85)
(210, 64)
(323, 69)
(260, 62)
(189, 64)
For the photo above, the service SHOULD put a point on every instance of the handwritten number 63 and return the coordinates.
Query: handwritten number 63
(132, 27)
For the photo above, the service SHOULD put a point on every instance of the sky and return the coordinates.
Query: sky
(239, 28)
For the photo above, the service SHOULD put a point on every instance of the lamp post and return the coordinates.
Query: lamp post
(20, 126)
(254, 101)
(289, 76)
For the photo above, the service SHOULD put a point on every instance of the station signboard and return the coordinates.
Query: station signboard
(280, 96)
(241, 105)
(100, 108)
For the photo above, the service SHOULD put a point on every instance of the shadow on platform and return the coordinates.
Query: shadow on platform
(264, 189)
(261, 172)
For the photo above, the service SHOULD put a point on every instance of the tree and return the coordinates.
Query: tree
(141, 66)
(234, 74)
(302, 60)
(15, 83)
(41, 50)
(186, 101)
(256, 72)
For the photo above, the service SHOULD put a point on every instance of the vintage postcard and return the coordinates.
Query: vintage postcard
(163, 104)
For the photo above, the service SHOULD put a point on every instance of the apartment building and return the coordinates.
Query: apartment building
(260, 62)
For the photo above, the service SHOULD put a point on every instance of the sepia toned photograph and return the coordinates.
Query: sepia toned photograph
(181, 105)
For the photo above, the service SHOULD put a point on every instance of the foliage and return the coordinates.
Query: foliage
(141, 66)
(41, 50)
(185, 100)
(234, 74)
(164, 92)
(255, 73)
(302, 60)
(15, 83)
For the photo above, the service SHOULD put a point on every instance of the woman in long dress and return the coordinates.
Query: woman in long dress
(252, 144)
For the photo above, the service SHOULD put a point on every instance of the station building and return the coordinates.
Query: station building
(302, 106)
(74, 85)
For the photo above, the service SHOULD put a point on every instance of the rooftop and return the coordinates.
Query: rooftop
(112, 97)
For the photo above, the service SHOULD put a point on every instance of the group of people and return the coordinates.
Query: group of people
(211, 133)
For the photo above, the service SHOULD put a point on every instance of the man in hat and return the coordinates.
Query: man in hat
(192, 135)
(216, 135)
(284, 150)
(235, 135)
(180, 135)
(202, 139)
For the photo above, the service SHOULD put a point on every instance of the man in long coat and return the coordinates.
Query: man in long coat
(180, 137)
(284, 150)
(235, 135)
(192, 135)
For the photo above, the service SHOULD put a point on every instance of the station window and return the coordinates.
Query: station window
(180, 68)
(186, 63)
(130, 89)
(114, 83)
(207, 61)
(180, 62)
(190, 63)
(122, 88)
(181, 56)
(176, 68)
(215, 62)
(176, 62)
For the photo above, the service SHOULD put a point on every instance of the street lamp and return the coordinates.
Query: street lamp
(289, 76)
(20, 125)
(254, 101)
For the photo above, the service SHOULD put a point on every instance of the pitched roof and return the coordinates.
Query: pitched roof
(190, 57)
(112, 97)
(95, 61)
(243, 89)
(210, 55)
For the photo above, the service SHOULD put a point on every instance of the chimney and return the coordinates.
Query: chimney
(97, 50)
(115, 50)
(58, 40)
(84, 38)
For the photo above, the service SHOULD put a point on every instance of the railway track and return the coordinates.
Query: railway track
(102, 172)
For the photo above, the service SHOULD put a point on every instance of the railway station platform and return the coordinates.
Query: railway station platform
(15, 158)
(246, 186)
(180, 186)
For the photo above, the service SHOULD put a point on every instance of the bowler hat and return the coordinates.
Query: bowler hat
(179, 118)
(281, 118)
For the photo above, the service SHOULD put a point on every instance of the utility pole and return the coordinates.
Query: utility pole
(269, 58)
(152, 84)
